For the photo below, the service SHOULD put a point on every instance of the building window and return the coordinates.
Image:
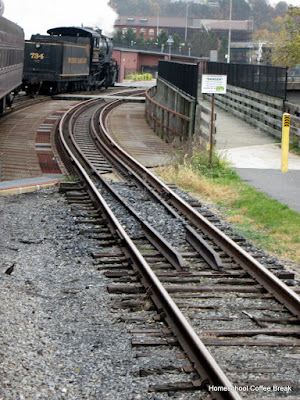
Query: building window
(151, 32)
(142, 31)
(134, 30)
(124, 31)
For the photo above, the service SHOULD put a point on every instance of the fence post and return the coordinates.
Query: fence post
(162, 123)
(211, 130)
(285, 141)
(192, 119)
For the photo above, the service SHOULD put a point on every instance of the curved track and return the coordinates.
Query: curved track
(232, 301)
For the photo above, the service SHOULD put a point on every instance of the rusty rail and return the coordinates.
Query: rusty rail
(261, 274)
(198, 354)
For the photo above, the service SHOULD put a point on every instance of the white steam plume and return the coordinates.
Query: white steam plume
(36, 16)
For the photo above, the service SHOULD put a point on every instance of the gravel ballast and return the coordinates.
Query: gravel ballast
(62, 337)
(59, 338)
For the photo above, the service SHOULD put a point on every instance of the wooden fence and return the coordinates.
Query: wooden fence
(264, 112)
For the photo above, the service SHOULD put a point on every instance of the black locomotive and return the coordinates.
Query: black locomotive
(69, 59)
(11, 61)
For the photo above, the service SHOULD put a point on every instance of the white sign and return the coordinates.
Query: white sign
(214, 84)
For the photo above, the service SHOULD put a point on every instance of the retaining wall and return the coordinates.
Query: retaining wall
(170, 112)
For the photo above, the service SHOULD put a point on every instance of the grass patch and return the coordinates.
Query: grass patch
(265, 222)
(70, 178)
(295, 146)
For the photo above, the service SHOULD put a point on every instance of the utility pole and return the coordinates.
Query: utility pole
(229, 32)
(186, 22)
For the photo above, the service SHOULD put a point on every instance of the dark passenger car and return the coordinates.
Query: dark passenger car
(11, 61)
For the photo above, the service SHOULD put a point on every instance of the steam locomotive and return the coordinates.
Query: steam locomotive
(11, 60)
(69, 59)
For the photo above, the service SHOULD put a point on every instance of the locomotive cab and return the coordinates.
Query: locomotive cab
(69, 59)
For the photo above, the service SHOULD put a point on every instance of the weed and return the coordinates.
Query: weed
(264, 221)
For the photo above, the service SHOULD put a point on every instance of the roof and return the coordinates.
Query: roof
(74, 31)
(180, 22)
(214, 24)
(130, 20)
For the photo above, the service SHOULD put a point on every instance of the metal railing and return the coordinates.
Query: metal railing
(259, 78)
(159, 49)
(169, 124)
(183, 76)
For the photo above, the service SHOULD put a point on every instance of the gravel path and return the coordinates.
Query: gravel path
(59, 337)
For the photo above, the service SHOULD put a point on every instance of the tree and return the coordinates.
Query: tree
(202, 43)
(287, 47)
(130, 36)
(162, 38)
(240, 9)
(280, 9)
(261, 11)
(223, 49)
(118, 37)
(177, 41)
(140, 41)
(135, 7)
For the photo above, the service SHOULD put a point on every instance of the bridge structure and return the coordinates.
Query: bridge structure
(248, 132)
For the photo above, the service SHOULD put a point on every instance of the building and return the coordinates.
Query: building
(150, 28)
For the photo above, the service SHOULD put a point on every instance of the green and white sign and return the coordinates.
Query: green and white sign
(214, 84)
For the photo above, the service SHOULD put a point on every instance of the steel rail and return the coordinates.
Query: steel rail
(261, 274)
(204, 363)
(166, 249)
(200, 245)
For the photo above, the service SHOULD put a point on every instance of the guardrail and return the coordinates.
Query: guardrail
(294, 111)
(203, 120)
(265, 79)
(264, 112)
(170, 125)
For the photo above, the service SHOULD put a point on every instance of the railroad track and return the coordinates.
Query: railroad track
(234, 318)
(22, 101)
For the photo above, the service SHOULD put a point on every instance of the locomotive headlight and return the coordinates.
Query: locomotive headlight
(37, 45)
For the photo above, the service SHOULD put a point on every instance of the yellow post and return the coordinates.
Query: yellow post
(285, 141)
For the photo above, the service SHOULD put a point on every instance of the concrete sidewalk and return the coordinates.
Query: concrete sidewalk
(256, 156)
(21, 186)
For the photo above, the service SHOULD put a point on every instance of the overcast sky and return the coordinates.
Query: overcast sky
(37, 16)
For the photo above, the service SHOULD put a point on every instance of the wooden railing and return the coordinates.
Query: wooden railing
(264, 112)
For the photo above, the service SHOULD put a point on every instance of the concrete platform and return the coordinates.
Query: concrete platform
(131, 131)
(82, 97)
(256, 156)
(20, 186)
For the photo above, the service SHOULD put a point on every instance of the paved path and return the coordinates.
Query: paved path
(257, 158)
(130, 129)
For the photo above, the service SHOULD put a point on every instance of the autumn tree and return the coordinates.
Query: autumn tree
(287, 47)
(203, 42)
(240, 9)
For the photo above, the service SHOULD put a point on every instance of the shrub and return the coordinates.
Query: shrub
(139, 77)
